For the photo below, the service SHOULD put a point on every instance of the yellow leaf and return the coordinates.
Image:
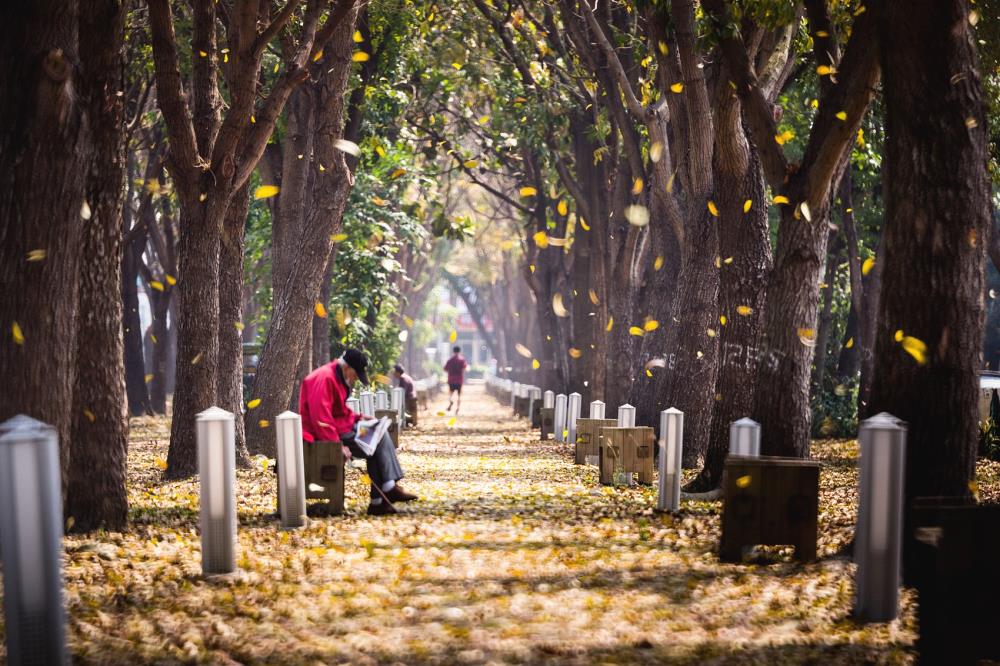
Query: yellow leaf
(36, 255)
(562, 207)
(203, 54)
(265, 191)
(635, 330)
(915, 348)
(868, 265)
(583, 223)
(320, 310)
(197, 358)
(593, 297)
(649, 373)
(575, 353)
(253, 403)
(825, 70)
(677, 87)
(807, 336)
(357, 37)
(453, 336)
(849, 343)
(744, 310)
(336, 238)
(611, 323)
(522, 350)
(710, 332)
(535, 364)
(360, 56)
(397, 173)
(637, 186)
(658, 263)
(171, 280)
(712, 208)
(408, 321)
(747, 205)
(157, 285)
(366, 479)
(382, 379)
(380, 151)
(780, 199)
(841, 115)
(317, 55)
(727, 260)
(743, 481)
(651, 325)
(662, 46)
(532, 268)
(722, 319)
(15, 330)
(161, 463)
(263, 423)
(822, 33)
(670, 182)
(557, 305)
(470, 164)
(452, 421)
(149, 378)
(89, 414)
(527, 191)
(898, 335)
(541, 239)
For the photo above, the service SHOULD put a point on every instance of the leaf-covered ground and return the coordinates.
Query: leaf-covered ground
(513, 555)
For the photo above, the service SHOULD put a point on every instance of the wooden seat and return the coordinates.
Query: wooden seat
(625, 451)
(324, 472)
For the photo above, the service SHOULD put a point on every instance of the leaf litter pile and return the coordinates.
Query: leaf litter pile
(512, 555)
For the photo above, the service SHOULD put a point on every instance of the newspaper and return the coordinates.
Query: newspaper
(370, 433)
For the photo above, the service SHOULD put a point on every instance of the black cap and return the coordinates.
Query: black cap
(358, 362)
(399, 369)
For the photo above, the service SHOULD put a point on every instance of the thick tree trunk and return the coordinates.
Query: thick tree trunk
(871, 302)
(321, 325)
(45, 146)
(230, 377)
(136, 387)
(292, 316)
(825, 316)
(938, 217)
(850, 359)
(95, 488)
(160, 357)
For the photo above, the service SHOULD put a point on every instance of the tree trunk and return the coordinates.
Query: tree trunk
(44, 147)
(938, 217)
(321, 325)
(872, 297)
(136, 387)
(230, 377)
(850, 359)
(95, 488)
(825, 316)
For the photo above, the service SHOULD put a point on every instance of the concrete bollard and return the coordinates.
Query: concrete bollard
(514, 392)
(597, 410)
(559, 421)
(534, 396)
(398, 404)
(217, 478)
(367, 402)
(626, 416)
(31, 532)
(878, 535)
(353, 404)
(291, 471)
(381, 400)
(671, 447)
(549, 400)
(572, 414)
(744, 438)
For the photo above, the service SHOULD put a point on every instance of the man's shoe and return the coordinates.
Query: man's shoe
(398, 494)
(381, 509)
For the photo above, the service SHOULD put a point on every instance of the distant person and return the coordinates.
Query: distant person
(326, 417)
(405, 382)
(455, 367)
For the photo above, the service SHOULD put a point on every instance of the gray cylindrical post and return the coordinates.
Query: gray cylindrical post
(367, 403)
(573, 405)
(878, 535)
(217, 478)
(626, 416)
(559, 418)
(548, 400)
(671, 447)
(398, 404)
(744, 438)
(291, 470)
(597, 410)
(381, 400)
(353, 404)
(31, 542)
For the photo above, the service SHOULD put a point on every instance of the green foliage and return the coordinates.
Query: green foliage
(835, 409)
(989, 440)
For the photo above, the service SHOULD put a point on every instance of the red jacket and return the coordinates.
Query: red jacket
(325, 416)
(455, 367)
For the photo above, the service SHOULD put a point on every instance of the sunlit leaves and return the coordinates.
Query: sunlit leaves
(157, 285)
(650, 325)
(784, 137)
(610, 325)
(265, 191)
(397, 173)
(841, 116)
(357, 37)
(637, 186)
(636, 330)
(780, 199)
(337, 238)
(744, 310)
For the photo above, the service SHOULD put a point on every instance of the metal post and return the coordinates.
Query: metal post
(291, 471)
(559, 418)
(597, 410)
(534, 395)
(572, 414)
(367, 401)
(217, 477)
(671, 446)
(31, 542)
(744, 438)
(548, 400)
(626, 416)
(381, 400)
(878, 534)
(399, 405)
(353, 404)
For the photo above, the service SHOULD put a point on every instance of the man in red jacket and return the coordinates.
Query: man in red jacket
(455, 367)
(326, 417)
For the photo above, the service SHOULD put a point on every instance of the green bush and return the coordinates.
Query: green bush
(989, 439)
(835, 409)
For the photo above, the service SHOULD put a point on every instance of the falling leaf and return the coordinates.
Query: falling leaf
(541, 239)
(360, 56)
(470, 164)
(825, 70)
(197, 358)
(712, 208)
(677, 87)
(842, 115)
(656, 152)
(357, 37)
(382, 379)
(583, 223)
(348, 147)
(780, 199)
(651, 325)
(698, 354)
(744, 310)
(915, 348)
(157, 285)
(408, 321)
(336, 238)
(85, 210)
(649, 373)
(320, 310)
(637, 186)
(974, 489)
(148, 378)
(404, 335)
(522, 350)
(635, 330)
(658, 263)
(265, 192)
(784, 137)
(849, 343)
(806, 213)
(171, 280)
(670, 182)
(743, 481)
(562, 207)
(452, 421)
(611, 323)
(397, 173)
(535, 364)
(36, 255)
(160, 462)
(263, 423)
(867, 266)
(747, 205)
(807, 336)
(898, 335)
(316, 56)
(637, 215)
(253, 403)
(710, 332)
(973, 237)
(453, 336)
(532, 269)
(557, 305)
(89, 414)
(575, 353)
(527, 191)
(971, 122)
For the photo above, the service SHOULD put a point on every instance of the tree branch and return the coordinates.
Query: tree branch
(274, 27)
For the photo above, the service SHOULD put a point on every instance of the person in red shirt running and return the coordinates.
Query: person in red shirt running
(455, 367)
(326, 417)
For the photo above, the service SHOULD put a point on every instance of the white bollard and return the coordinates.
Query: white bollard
(626, 416)
(367, 402)
(572, 414)
(548, 400)
(31, 532)
(878, 534)
(398, 405)
(217, 478)
(353, 404)
(291, 471)
(744, 438)
(671, 447)
(514, 392)
(381, 400)
(559, 418)
(597, 410)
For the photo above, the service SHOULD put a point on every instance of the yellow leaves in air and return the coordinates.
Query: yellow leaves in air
(265, 192)
(670, 182)
(806, 213)
(527, 191)
(357, 37)
(470, 164)
(263, 423)
(973, 237)
(557, 305)
(532, 268)
(36, 255)
(160, 463)
(723, 320)
(379, 150)
(535, 364)
(85, 210)
(825, 70)
(637, 186)
(575, 353)
(743, 481)
(320, 310)
(157, 285)
(747, 205)
(649, 373)
(611, 323)
(382, 379)
(453, 336)
(440, 413)
(89, 414)
(348, 147)
(677, 87)
(971, 122)
(562, 207)
(636, 331)
(744, 310)
(408, 321)
(403, 335)
(656, 152)
(203, 54)
(637, 215)
(807, 336)
(396, 173)
(868, 265)
(316, 56)
(197, 358)
(148, 378)
(658, 263)
(662, 46)
(522, 350)
(253, 404)
(849, 343)
(171, 280)
(780, 199)
(583, 223)
(336, 238)
(651, 325)
(913, 346)
(593, 297)
(452, 421)
(360, 56)
(541, 239)
(713, 209)
(841, 116)
(784, 137)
